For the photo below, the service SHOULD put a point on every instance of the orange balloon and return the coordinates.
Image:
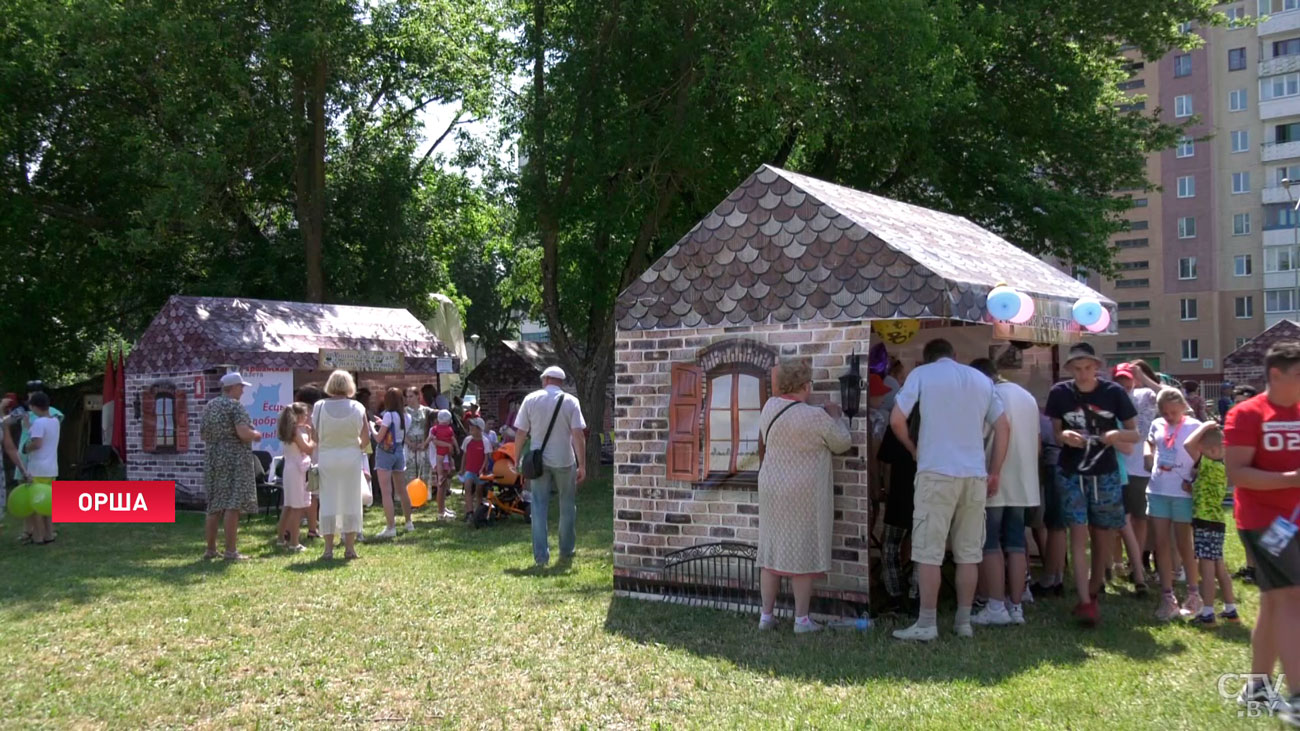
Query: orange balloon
(418, 492)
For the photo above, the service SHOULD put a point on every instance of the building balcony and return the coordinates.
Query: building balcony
(1274, 108)
(1273, 318)
(1283, 22)
(1279, 65)
(1285, 236)
(1276, 194)
(1281, 280)
(1270, 151)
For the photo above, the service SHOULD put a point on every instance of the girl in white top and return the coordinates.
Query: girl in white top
(1169, 504)
(295, 432)
(341, 429)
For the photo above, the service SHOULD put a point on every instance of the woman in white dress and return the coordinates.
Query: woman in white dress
(341, 429)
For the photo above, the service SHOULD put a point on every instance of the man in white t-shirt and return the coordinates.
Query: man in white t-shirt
(42, 450)
(953, 476)
(564, 457)
(1004, 563)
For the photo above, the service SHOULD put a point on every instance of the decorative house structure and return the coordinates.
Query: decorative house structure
(789, 265)
(1245, 365)
(174, 370)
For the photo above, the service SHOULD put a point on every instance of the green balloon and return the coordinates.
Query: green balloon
(20, 501)
(42, 499)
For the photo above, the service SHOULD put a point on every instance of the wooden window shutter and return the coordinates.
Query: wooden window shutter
(148, 421)
(182, 421)
(684, 422)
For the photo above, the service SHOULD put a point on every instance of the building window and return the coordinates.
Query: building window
(1183, 105)
(1242, 341)
(1130, 85)
(1185, 28)
(1139, 202)
(1133, 344)
(1128, 266)
(1187, 267)
(1289, 132)
(164, 411)
(1182, 65)
(1279, 300)
(165, 423)
(1237, 100)
(1240, 140)
(1278, 259)
(1132, 283)
(1241, 265)
(1240, 183)
(1191, 350)
(736, 396)
(1235, 17)
(1186, 147)
(1187, 186)
(1245, 307)
(1286, 172)
(1187, 308)
(1137, 225)
(1280, 215)
(1132, 305)
(1241, 224)
(1081, 275)
(1135, 322)
(1187, 227)
(1289, 47)
(1131, 244)
(1236, 59)
(1279, 87)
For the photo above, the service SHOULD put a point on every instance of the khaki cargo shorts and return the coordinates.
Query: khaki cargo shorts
(948, 507)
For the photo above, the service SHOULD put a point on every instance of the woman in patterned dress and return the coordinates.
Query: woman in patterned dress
(228, 472)
(795, 495)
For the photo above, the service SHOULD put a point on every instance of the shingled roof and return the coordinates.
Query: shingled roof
(1252, 352)
(788, 248)
(196, 333)
(513, 362)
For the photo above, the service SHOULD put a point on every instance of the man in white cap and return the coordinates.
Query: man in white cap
(554, 418)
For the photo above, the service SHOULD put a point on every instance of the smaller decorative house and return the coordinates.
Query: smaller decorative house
(174, 369)
(1245, 365)
(789, 265)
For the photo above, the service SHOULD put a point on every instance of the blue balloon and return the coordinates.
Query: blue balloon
(1003, 303)
(1087, 312)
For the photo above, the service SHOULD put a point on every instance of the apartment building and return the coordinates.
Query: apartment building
(1210, 259)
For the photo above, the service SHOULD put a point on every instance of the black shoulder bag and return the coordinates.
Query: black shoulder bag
(532, 465)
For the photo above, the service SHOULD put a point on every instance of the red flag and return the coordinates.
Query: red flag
(110, 395)
(119, 414)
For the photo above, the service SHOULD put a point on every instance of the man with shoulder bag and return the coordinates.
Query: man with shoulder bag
(558, 461)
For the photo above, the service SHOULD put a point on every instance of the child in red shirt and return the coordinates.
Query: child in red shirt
(442, 439)
(1262, 436)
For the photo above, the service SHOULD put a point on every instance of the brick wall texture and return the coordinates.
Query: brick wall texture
(185, 468)
(654, 516)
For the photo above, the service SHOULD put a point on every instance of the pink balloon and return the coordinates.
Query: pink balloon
(1026, 312)
(1101, 325)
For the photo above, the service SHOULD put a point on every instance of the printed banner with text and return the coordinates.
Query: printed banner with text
(270, 393)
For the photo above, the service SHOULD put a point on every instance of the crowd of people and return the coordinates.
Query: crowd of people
(1116, 461)
(340, 450)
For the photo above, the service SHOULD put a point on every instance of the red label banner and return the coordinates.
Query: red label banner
(114, 502)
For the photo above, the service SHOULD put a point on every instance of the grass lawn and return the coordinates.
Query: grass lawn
(124, 627)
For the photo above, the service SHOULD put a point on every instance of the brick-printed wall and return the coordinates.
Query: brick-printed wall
(185, 468)
(654, 516)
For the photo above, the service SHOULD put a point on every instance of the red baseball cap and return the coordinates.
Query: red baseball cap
(876, 386)
(1125, 370)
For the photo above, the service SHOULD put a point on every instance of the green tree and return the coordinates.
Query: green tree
(638, 118)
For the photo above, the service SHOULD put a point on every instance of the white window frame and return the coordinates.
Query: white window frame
(1186, 148)
(1187, 186)
(1240, 140)
(1235, 16)
(1187, 227)
(1278, 309)
(1241, 224)
(1238, 100)
(1280, 86)
(1241, 183)
(1183, 106)
(1274, 256)
(1188, 309)
(1183, 58)
(1244, 307)
(1190, 350)
(1237, 267)
(1190, 268)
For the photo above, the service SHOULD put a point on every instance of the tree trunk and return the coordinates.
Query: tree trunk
(593, 380)
(309, 175)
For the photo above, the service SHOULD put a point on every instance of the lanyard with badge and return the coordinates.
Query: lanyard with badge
(1167, 451)
(1280, 533)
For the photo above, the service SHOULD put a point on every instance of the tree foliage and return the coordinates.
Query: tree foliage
(638, 118)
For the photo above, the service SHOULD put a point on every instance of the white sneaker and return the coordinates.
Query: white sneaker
(766, 624)
(1182, 575)
(917, 634)
(811, 626)
(410, 526)
(1017, 613)
(963, 630)
(389, 532)
(991, 617)
(1028, 596)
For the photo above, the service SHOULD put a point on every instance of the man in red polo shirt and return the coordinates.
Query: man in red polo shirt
(1263, 460)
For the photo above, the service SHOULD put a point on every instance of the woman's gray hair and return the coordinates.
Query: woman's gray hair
(792, 374)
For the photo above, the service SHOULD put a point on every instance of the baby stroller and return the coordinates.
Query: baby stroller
(505, 490)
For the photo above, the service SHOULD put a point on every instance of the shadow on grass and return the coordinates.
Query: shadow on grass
(848, 657)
